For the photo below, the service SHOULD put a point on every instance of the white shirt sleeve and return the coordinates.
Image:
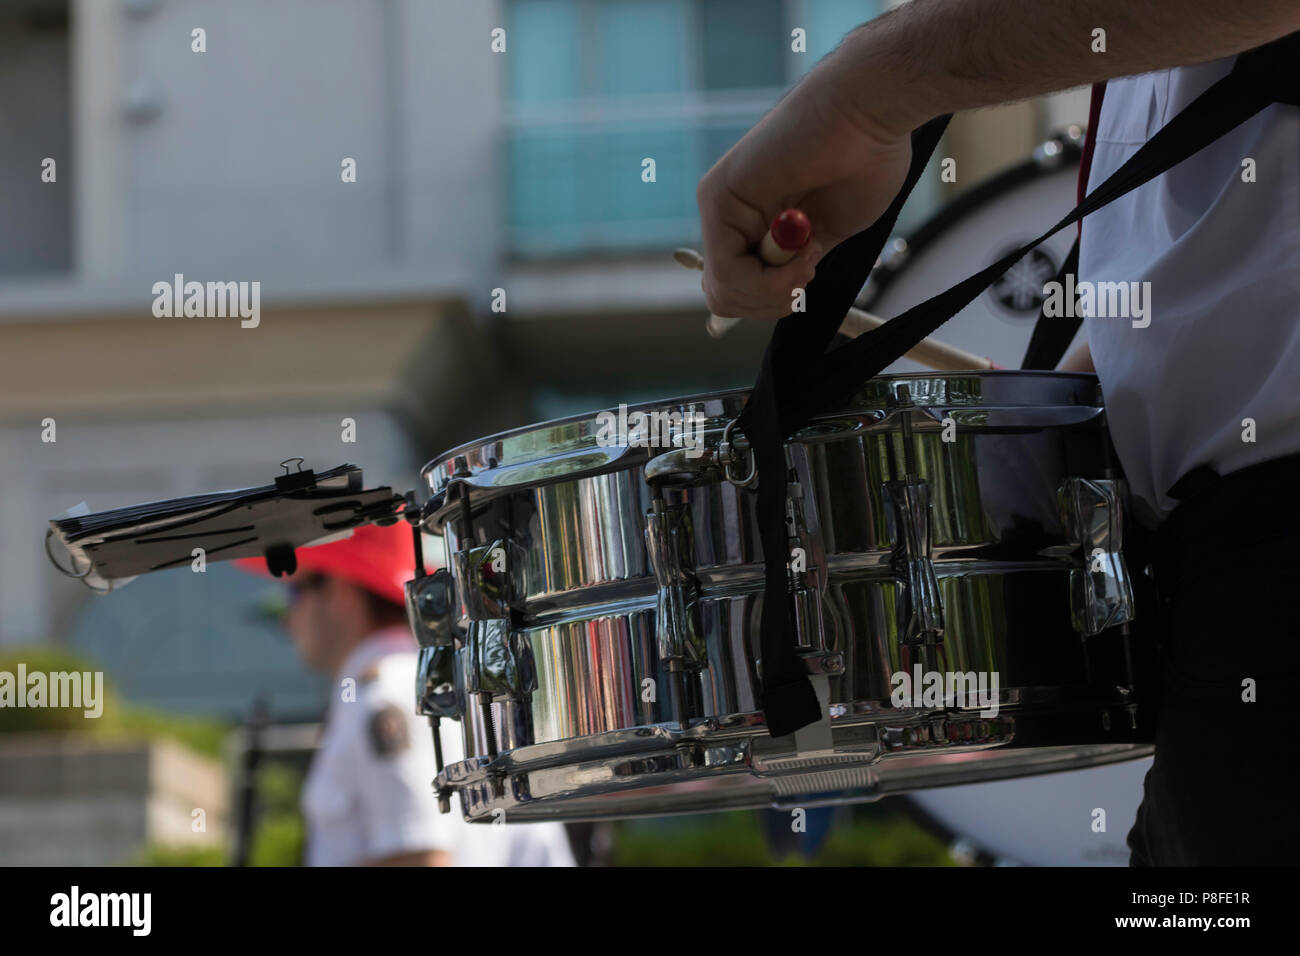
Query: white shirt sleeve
(395, 801)
(541, 844)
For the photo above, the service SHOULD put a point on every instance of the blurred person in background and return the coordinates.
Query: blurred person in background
(368, 798)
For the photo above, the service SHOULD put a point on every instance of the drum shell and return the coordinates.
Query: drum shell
(586, 619)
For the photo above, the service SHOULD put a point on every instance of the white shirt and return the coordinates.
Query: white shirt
(369, 796)
(1223, 260)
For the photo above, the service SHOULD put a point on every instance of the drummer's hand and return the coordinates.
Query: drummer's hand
(812, 152)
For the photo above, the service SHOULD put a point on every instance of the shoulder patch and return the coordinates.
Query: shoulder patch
(388, 731)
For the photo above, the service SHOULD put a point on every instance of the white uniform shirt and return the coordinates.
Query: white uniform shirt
(1223, 260)
(369, 796)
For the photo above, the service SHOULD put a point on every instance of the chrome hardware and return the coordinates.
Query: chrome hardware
(805, 579)
(669, 542)
(490, 579)
(431, 608)
(729, 455)
(681, 468)
(801, 571)
(693, 466)
(920, 609)
(487, 484)
(830, 663)
(669, 545)
(498, 661)
(807, 571)
(435, 683)
(1101, 594)
(806, 612)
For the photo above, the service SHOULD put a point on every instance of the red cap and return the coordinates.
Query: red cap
(381, 560)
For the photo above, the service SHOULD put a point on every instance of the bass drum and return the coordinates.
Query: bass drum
(973, 231)
(1046, 820)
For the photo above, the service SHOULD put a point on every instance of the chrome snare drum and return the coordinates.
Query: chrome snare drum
(595, 629)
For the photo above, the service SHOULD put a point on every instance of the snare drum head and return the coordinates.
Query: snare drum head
(970, 233)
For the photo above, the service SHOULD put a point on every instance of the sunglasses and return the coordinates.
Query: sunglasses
(305, 584)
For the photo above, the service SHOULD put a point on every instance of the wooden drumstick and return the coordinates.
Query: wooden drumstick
(787, 234)
(929, 352)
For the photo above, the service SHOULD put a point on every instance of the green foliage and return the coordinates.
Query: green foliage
(279, 841)
(279, 786)
(47, 659)
(278, 838)
(140, 723)
(736, 839)
(280, 834)
(119, 721)
(156, 854)
(863, 836)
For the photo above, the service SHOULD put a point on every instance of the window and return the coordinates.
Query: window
(598, 86)
(35, 125)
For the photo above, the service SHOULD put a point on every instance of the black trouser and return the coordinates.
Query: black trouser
(1227, 572)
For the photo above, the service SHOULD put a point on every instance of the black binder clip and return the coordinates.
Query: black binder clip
(293, 481)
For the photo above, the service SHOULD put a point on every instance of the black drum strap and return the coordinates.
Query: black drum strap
(799, 378)
(1054, 333)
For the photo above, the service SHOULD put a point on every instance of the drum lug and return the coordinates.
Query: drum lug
(491, 583)
(670, 545)
(490, 580)
(805, 583)
(498, 661)
(1101, 593)
(920, 609)
(435, 683)
(431, 609)
(806, 612)
(804, 575)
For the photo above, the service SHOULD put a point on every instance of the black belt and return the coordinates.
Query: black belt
(1260, 501)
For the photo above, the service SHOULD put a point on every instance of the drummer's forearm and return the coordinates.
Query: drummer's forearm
(1079, 360)
(930, 57)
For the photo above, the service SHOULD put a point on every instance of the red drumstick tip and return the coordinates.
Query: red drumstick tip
(791, 229)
